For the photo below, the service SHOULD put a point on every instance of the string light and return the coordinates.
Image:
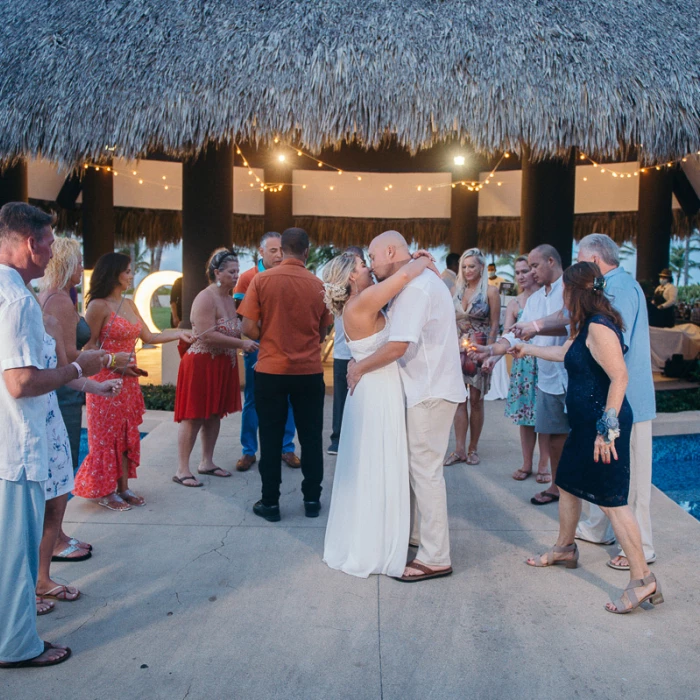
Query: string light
(140, 182)
(163, 177)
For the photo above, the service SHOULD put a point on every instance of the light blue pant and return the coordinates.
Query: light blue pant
(22, 505)
(249, 419)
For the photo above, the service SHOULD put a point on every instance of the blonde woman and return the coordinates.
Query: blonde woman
(369, 517)
(477, 310)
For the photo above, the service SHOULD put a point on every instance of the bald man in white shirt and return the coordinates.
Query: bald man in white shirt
(423, 340)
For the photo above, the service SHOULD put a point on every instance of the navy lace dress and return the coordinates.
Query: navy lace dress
(596, 482)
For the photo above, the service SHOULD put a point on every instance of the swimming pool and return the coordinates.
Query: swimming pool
(676, 469)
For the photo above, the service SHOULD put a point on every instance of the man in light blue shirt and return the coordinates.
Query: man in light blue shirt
(627, 297)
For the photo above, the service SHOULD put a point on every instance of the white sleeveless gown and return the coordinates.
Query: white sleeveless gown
(369, 517)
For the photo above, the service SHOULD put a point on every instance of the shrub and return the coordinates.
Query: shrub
(159, 397)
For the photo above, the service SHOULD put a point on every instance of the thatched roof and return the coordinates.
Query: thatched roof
(602, 75)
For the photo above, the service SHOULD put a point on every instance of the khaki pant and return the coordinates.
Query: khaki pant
(596, 527)
(428, 424)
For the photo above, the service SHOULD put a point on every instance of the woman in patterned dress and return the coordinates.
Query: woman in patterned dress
(520, 404)
(60, 481)
(113, 424)
(208, 386)
(477, 309)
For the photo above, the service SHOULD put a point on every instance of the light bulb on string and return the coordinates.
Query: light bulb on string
(299, 153)
(320, 164)
(359, 179)
(133, 172)
(163, 177)
(281, 158)
(140, 182)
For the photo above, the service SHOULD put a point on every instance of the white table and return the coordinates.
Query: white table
(681, 340)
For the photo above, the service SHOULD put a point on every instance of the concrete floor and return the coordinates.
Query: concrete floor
(195, 597)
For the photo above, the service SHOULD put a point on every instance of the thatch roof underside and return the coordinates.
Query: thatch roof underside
(497, 234)
(601, 75)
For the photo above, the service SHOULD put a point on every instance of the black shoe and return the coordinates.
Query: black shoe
(270, 513)
(332, 450)
(312, 508)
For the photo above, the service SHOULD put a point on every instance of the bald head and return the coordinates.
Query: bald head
(387, 253)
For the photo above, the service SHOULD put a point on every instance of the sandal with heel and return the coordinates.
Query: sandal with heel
(655, 598)
(551, 561)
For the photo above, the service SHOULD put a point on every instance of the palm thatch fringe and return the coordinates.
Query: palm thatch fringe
(600, 75)
(496, 234)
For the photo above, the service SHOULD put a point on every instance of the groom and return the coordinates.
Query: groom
(423, 339)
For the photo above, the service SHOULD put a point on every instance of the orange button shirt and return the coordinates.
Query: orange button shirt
(288, 301)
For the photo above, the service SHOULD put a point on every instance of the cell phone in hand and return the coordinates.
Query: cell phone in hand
(140, 372)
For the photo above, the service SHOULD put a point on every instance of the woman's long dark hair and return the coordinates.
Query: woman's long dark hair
(105, 276)
(584, 296)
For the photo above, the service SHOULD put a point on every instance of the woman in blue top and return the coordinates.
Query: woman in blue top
(595, 461)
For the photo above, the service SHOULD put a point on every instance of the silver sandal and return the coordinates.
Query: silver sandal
(655, 598)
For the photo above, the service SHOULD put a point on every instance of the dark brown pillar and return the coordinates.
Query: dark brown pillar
(207, 216)
(654, 223)
(279, 213)
(547, 205)
(464, 215)
(13, 183)
(98, 213)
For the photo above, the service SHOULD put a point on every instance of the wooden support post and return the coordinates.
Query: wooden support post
(207, 216)
(13, 183)
(98, 213)
(654, 223)
(464, 214)
(279, 213)
(547, 205)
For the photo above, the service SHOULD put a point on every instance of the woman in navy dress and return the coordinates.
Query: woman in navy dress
(595, 462)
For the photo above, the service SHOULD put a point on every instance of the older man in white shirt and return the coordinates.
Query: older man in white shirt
(423, 339)
(25, 250)
(550, 411)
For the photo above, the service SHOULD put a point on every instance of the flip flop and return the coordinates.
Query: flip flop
(61, 593)
(82, 545)
(427, 573)
(65, 554)
(33, 663)
(543, 478)
(182, 481)
(622, 567)
(109, 505)
(551, 498)
(41, 601)
(212, 472)
(520, 475)
(453, 458)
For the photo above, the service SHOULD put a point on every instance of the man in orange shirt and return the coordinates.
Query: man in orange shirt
(270, 256)
(284, 310)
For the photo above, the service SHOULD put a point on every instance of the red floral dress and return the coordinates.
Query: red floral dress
(113, 423)
(207, 381)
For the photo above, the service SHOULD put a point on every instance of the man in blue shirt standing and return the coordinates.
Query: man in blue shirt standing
(627, 297)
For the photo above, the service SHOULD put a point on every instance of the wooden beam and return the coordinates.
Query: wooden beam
(98, 213)
(207, 216)
(655, 217)
(547, 205)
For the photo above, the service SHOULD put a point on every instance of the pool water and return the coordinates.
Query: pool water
(676, 469)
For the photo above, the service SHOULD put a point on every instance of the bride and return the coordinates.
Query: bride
(369, 517)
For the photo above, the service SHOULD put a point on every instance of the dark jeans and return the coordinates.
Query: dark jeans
(340, 393)
(306, 393)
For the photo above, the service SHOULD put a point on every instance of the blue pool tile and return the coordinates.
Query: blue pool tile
(676, 469)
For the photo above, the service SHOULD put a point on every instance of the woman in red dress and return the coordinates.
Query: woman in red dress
(113, 423)
(208, 387)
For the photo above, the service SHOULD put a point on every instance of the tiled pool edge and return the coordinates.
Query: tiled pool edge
(682, 423)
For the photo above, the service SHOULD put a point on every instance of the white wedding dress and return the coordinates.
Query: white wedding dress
(369, 517)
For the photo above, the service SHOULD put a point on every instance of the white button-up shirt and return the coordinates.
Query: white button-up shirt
(551, 376)
(341, 351)
(23, 436)
(423, 315)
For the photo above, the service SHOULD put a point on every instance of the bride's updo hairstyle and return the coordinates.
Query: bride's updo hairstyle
(336, 281)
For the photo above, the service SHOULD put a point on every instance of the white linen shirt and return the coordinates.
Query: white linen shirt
(341, 351)
(551, 376)
(23, 435)
(422, 315)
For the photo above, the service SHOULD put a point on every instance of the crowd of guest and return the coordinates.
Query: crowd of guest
(574, 336)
